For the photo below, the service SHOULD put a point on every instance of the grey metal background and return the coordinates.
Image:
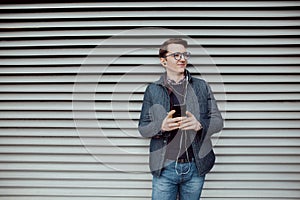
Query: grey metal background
(255, 45)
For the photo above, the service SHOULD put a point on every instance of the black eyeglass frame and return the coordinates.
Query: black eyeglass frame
(186, 55)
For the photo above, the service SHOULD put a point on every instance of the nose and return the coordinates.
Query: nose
(182, 57)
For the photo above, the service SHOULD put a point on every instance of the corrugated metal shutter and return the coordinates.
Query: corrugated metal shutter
(46, 154)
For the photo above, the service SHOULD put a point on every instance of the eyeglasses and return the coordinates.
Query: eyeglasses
(178, 55)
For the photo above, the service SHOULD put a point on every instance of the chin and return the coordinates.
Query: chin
(182, 69)
(182, 66)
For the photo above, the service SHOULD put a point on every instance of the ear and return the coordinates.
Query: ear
(163, 61)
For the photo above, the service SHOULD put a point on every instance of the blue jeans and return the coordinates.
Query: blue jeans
(178, 179)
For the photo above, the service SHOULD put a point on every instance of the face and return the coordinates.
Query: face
(174, 67)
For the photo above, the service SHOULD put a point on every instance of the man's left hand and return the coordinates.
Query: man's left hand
(190, 122)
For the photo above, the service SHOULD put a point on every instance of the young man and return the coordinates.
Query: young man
(179, 114)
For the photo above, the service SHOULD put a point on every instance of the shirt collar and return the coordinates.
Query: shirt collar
(163, 79)
(172, 82)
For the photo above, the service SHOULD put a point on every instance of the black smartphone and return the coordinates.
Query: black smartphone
(180, 110)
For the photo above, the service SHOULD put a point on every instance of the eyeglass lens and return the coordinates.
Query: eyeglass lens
(178, 56)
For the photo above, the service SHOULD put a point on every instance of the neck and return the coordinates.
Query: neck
(175, 77)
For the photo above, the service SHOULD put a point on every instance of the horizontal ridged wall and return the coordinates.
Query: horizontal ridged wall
(68, 120)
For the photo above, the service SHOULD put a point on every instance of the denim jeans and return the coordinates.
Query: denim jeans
(178, 179)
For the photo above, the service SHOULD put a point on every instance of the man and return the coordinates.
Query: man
(179, 114)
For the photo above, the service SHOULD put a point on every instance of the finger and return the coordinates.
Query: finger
(173, 126)
(185, 126)
(186, 120)
(189, 114)
(170, 114)
(177, 119)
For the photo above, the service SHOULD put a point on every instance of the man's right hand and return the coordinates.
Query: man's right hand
(170, 123)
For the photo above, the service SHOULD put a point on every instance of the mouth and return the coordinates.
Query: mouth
(181, 64)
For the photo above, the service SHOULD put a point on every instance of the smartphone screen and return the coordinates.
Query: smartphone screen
(180, 110)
